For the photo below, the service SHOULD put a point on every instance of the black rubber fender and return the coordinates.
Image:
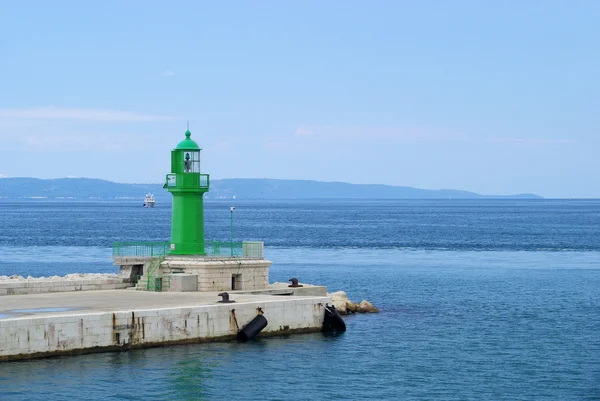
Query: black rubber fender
(333, 321)
(249, 331)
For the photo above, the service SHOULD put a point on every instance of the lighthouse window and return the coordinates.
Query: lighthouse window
(191, 162)
(187, 163)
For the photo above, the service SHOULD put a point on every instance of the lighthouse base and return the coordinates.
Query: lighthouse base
(224, 274)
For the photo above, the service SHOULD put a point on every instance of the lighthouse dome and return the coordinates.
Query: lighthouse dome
(187, 143)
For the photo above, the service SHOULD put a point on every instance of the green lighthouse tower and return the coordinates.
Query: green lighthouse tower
(188, 187)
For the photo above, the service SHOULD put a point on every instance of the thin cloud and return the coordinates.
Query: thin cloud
(529, 141)
(402, 133)
(2, 175)
(304, 131)
(49, 141)
(409, 134)
(168, 73)
(57, 113)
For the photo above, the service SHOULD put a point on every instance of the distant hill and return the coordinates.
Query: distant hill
(303, 189)
(80, 188)
(246, 188)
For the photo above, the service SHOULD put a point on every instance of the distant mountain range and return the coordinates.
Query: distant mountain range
(241, 188)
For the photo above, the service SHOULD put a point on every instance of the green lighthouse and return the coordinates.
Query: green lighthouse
(187, 186)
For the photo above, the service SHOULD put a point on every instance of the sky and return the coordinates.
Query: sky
(485, 96)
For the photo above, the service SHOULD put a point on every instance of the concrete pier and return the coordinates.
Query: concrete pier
(179, 282)
(42, 325)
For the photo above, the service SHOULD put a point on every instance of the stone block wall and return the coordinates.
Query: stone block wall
(216, 275)
(15, 287)
(220, 279)
(183, 282)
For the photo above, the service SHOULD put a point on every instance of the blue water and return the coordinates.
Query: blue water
(487, 299)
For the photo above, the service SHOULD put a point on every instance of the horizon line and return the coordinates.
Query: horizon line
(305, 180)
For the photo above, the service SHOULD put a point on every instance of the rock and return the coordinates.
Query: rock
(73, 276)
(339, 300)
(351, 307)
(367, 307)
(344, 306)
(339, 295)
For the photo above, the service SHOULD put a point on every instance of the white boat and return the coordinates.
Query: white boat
(149, 200)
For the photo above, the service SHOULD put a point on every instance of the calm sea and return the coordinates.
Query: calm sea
(486, 299)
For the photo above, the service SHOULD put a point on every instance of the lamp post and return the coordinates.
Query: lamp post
(231, 228)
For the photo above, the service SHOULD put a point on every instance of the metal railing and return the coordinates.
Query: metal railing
(217, 249)
(157, 284)
(187, 181)
(204, 180)
(152, 275)
(244, 249)
(140, 249)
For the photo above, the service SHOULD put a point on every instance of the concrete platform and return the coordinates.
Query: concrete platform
(117, 300)
(41, 325)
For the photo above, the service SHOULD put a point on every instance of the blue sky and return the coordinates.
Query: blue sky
(492, 97)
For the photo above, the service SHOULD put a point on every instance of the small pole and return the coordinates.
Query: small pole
(231, 228)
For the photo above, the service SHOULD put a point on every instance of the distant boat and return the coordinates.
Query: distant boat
(149, 200)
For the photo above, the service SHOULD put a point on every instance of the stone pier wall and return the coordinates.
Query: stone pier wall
(75, 333)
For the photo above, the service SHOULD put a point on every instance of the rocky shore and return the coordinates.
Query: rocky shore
(345, 306)
(71, 277)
